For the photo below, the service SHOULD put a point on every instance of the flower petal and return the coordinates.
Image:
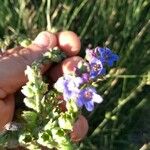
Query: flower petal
(89, 105)
(97, 98)
(115, 57)
(103, 72)
(78, 81)
(110, 63)
(79, 102)
(59, 85)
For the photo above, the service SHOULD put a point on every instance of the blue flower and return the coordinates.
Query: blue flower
(96, 68)
(69, 86)
(106, 56)
(87, 97)
(86, 77)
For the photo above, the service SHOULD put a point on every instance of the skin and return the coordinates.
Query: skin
(14, 62)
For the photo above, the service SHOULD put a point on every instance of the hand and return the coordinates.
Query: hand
(14, 62)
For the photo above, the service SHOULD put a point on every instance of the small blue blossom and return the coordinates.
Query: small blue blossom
(106, 56)
(86, 77)
(69, 86)
(87, 97)
(96, 68)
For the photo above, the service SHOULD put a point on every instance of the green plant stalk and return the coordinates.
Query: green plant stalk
(140, 105)
(136, 41)
(89, 20)
(127, 76)
(48, 18)
(54, 126)
(116, 109)
(75, 13)
(38, 102)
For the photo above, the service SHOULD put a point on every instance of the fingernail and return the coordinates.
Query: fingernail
(46, 39)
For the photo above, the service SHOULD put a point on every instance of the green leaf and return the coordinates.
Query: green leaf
(58, 135)
(25, 138)
(9, 139)
(31, 118)
(27, 91)
(30, 103)
(25, 42)
(3, 139)
(32, 74)
(45, 139)
(65, 122)
(67, 146)
(71, 106)
(43, 87)
(50, 125)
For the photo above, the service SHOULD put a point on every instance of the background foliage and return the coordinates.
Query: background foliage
(122, 121)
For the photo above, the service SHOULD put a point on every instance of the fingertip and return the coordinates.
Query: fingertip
(46, 39)
(66, 67)
(69, 42)
(80, 129)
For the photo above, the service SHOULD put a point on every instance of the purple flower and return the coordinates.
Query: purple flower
(87, 97)
(69, 86)
(96, 68)
(86, 77)
(106, 56)
(90, 54)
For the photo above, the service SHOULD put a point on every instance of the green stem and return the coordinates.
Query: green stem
(116, 109)
(38, 102)
(89, 20)
(75, 13)
(48, 15)
(126, 76)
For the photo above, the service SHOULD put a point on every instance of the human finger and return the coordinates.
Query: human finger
(69, 42)
(80, 129)
(12, 65)
(66, 67)
(6, 111)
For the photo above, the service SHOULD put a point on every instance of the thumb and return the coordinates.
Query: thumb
(13, 64)
(46, 40)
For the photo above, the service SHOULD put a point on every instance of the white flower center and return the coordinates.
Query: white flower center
(96, 67)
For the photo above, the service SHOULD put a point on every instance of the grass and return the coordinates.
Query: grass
(122, 121)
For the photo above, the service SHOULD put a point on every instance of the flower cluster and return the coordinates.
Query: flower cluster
(45, 122)
(79, 86)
